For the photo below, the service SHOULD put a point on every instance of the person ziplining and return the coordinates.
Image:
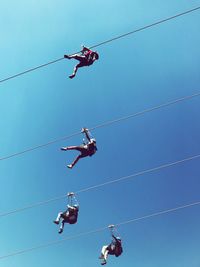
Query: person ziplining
(86, 58)
(88, 148)
(114, 248)
(70, 215)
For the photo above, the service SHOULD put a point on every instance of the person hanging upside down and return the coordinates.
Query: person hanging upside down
(114, 248)
(86, 149)
(70, 215)
(86, 58)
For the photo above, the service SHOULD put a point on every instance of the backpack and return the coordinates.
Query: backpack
(118, 251)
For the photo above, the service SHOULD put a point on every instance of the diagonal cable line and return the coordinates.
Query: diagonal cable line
(40, 146)
(140, 113)
(104, 42)
(160, 167)
(146, 27)
(164, 166)
(31, 69)
(52, 243)
(173, 102)
(159, 213)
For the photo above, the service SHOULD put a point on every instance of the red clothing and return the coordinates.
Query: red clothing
(89, 56)
(88, 52)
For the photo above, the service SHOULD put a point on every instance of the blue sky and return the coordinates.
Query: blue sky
(141, 71)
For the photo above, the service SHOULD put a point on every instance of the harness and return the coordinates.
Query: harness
(92, 149)
(71, 215)
(115, 248)
(89, 57)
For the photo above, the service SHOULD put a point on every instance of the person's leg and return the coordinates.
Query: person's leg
(104, 255)
(70, 166)
(74, 72)
(83, 63)
(104, 248)
(57, 221)
(62, 227)
(75, 56)
(84, 153)
(79, 148)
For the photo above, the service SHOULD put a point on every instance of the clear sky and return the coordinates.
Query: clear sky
(141, 71)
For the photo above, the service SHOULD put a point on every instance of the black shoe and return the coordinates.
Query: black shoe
(72, 76)
(60, 231)
(56, 222)
(66, 56)
(103, 262)
(70, 166)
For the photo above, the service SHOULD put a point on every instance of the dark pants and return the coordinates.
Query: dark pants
(84, 152)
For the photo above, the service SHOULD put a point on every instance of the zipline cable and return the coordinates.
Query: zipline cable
(162, 212)
(164, 166)
(104, 42)
(103, 125)
(146, 27)
(32, 69)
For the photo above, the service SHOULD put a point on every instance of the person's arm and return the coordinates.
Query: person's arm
(76, 202)
(85, 49)
(87, 135)
(116, 240)
(86, 132)
(114, 237)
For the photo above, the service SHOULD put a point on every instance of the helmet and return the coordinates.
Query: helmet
(118, 238)
(76, 206)
(93, 140)
(96, 55)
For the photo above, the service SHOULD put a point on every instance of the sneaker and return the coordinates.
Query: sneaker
(63, 148)
(72, 76)
(60, 231)
(66, 56)
(56, 222)
(70, 166)
(103, 262)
